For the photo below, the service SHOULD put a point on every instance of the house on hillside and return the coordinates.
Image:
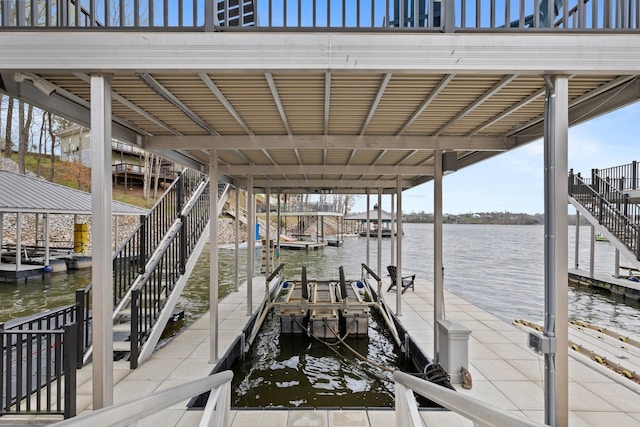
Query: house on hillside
(129, 163)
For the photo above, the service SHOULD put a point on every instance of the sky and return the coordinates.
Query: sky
(514, 181)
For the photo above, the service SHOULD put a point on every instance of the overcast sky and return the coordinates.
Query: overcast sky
(513, 181)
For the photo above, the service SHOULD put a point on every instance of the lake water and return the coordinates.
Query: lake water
(499, 268)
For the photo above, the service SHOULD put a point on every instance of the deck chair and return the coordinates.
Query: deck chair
(407, 281)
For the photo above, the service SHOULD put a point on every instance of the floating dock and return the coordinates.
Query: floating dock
(621, 287)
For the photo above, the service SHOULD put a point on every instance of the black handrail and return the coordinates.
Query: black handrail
(610, 207)
(370, 271)
(274, 273)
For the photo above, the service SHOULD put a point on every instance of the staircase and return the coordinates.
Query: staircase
(601, 201)
(152, 266)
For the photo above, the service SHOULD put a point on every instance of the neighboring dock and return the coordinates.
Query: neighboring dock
(622, 287)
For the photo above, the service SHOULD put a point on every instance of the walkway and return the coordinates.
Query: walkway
(505, 372)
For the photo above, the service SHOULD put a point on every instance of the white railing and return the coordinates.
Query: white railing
(215, 414)
(481, 413)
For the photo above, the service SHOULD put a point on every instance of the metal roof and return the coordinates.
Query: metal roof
(373, 216)
(27, 194)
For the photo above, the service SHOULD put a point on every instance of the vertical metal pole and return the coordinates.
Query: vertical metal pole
(392, 259)
(18, 241)
(102, 269)
(1, 231)
(399, 254)
(368, 227)
(616, 271)
(237, 245)
(267, 236)
(251, 243)
(213, 256)
(577, 250)
(556, 252)
(279, 231)
(379, 232)
(438, 285)
(70, 362)
(47, 230)
(592, 251)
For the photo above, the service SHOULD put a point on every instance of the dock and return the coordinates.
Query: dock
(621, 287)
(505, 372)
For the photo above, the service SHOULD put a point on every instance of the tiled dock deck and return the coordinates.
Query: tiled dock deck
(505, 372)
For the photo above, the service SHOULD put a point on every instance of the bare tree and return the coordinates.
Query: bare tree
(8, 143)
(155, 184)
(53, 146)
(40, 142)
(23, 135)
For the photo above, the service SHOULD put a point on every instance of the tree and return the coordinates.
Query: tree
(23, 134)
(40, 142)
(53, 146)
(8, 143)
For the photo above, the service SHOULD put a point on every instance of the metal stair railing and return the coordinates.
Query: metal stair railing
(152, 288)
(623, 177)
(610, 207)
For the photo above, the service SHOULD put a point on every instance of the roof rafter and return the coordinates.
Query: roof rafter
(278, 101)
(224, 101)
(443, 83)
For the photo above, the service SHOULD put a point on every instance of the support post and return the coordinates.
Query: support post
(236, 264)
(438, 285)
(213, 256)
(251, 242)
(556, 253)
(399, 252)
(392, 259)
(47, 230)
(368, 229)
(379, 232)
(278, 232)
(577, 250)
(267, 236)
(1, 231)
(102, 269)
(18, 241)
(616, 272)
(592, 252)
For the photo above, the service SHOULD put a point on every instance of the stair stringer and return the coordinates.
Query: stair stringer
(613, 239)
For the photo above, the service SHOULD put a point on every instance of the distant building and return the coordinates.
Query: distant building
(128, 161)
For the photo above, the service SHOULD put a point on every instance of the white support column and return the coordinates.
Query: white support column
(267, 236)
(47, 232)
(102, 268)
(251, 242)
(438, 285)
(1, 231)
(577, 250)
(18, 241)
(278, 232)
(213, 256)
(379, 232)
(392, 259)
(592, 252)
(368, 230)
(556, 378)
(237, 245)
(399, 251)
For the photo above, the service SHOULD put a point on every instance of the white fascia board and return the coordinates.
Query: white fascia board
(504, 52)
